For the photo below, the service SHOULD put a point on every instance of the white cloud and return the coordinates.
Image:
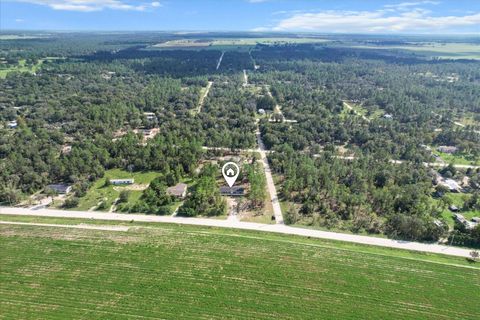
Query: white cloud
(93, 5)
(19, 20)
(411, 4)
(414, 20)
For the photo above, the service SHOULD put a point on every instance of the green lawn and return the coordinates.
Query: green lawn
(458, 199)
(187, 272)
(458, 158)
(438, 50)
(98, 192)
(21, 67)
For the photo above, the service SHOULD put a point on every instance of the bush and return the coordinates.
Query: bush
(71, 202)
(123, 197)
(102, 205)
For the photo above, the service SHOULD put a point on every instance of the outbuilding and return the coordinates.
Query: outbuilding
(59, 188)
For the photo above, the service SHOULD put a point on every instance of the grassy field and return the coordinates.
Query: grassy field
(458, 158)
(186, 272)
(99, 192)
(22, 67)
(458, 199)
(437, 50)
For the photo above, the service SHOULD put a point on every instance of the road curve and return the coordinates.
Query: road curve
(275, 228)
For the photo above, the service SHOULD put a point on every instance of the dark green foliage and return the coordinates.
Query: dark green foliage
(71, 202)
(155, 198)
(205, 198)
(256, 178)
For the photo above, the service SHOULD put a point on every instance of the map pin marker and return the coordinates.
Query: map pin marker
(230, 172)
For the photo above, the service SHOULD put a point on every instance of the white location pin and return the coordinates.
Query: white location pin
(230, 172)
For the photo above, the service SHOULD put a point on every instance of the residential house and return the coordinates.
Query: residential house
(66, 149)
(451, 184)
(12, 124)
(447, 149)
(150, 115)
(461, 219)
(178, 191)
(235, 191)
(118, 182)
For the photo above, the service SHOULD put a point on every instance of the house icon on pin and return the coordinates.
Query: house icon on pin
(230, 172)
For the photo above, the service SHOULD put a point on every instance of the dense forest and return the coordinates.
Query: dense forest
(333, 163)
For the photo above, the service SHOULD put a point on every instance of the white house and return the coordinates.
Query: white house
(451, 184)
(118, 182)
(12, 124)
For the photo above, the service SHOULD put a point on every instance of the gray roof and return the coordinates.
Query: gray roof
(130, 180)
(177, 190)
(235, 190)
(60, 188)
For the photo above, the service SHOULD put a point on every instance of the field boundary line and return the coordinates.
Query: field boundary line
(67, 226)
(275, 228)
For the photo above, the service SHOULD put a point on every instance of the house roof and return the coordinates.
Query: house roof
(177, 190)
(131, 180)
(451, 184)
(235, 190)
(60, 188)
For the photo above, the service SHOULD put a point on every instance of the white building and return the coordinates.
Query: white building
(451, 184)
(118, 182)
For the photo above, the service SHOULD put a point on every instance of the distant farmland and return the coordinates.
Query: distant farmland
(233, 42)
(183, 272)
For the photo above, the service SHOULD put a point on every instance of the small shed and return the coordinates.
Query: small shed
(59, 188)
(453, 208)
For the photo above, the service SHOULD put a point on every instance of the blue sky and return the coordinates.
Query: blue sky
(346, 16)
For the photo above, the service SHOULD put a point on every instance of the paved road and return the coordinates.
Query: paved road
(456, 122)
(277, 210)
(245, 78)
(220, 60)
(276, 228)
(230, 149)
(440, 164)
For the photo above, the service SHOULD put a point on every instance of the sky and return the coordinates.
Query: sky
(323, 16)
